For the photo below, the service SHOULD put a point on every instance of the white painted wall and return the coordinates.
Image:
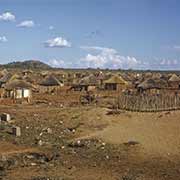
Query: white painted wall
(27, 93)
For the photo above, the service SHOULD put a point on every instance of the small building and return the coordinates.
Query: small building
(174, 82)
(87, 83)
(152, 86)
(115, 83)
(18, 90)
(50, 84)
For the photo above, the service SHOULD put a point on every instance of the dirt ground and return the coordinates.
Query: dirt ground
(88, 143)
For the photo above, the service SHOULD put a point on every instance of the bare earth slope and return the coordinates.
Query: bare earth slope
(85, 143)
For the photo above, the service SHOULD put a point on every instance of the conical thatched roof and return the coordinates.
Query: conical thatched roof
(50, 81)
(148, 75)
(16, 84)
(153, 83)
(89, 80)
(4, 72)
(174, 78)
(156, 75)
(116, 80)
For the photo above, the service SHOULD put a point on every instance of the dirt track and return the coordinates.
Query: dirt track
(158, 133)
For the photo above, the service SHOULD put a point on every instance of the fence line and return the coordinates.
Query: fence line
(148, 103)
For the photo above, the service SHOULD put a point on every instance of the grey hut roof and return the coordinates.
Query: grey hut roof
(174, 78)
(153, 83)
(6, 78)
(89, 80)
(50, 81)
(16, 84)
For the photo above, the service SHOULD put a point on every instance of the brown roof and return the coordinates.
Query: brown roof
(16, 84)
(174, 78)
(89, 80)
(153, 83)
(50, 81)
(116, 80)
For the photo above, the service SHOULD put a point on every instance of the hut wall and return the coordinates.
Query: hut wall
(1, 92)
(27, 93)
(48, 89)
(111, 87)
(91, 88)
(121, 87)
(175, 85)
(115, 87)
(19, 93)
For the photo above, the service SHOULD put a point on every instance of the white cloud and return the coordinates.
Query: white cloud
(168, 62)
(57, 42)
(7, 16)
(56, 63)
(26, 24)
(177, 47)
(3, 39)
(102, 57)
(51, 27)
(157, 63)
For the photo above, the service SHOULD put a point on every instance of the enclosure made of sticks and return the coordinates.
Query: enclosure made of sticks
(148, 103)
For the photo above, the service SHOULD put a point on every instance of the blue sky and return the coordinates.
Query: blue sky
(139, 34)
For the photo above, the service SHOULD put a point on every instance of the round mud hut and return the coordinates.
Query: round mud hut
(18, 90)
(115, 83)
(50, 84)
(174, 81)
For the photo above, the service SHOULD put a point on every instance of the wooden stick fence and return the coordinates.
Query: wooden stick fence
(148, 103)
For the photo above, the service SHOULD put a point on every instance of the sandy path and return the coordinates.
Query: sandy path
(157, 133)
(11, 149)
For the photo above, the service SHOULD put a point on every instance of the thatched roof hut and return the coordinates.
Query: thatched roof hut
(174, 78)
(153, 84)
(90, 80)
(116, 80)
(50, 80)
(115, 83)
(18, 84)
(4, 72)
(174, 81)
(18, 90)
